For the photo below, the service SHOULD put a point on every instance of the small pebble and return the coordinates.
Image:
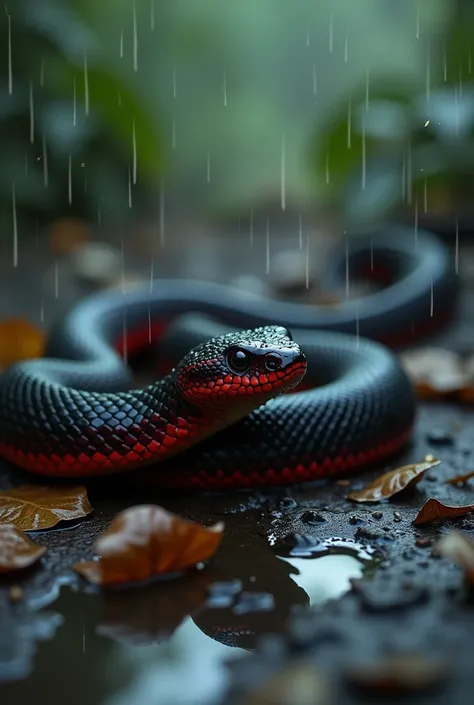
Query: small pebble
(377, 514)
(354, 519)
(397, 516)
(311, 517)
(440, 436)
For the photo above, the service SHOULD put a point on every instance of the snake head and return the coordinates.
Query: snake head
(241, 371)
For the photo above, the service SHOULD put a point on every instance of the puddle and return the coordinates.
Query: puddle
(168, 642)
(324, 569)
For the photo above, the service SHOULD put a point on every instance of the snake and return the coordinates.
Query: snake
(265, 392)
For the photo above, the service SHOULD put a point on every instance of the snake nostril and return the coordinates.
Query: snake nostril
(272, 362)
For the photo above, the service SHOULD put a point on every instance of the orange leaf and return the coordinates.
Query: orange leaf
(17, 551)
(19, 340)
(393, 482)
(459, 479)
(147, 540)
(459, 549)
(34, 507)
(433, 509)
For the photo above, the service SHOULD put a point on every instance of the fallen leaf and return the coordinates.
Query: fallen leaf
(147, 540)
(460, 479)
(438, 373)
(402, 673)
(153, 618)
(19, 340)
(37, 507)
(459, 549)
(393, 482)
(433, 509)
(17, 551)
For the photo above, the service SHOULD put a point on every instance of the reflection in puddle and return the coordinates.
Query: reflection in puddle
(325, 568)
(326, 578)
(168, 642)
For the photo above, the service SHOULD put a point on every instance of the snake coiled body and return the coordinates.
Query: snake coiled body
(210, 423)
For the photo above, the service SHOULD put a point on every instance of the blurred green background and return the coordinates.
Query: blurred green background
(361, 107)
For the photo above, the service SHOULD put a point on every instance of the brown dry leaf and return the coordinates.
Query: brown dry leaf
(147, 540)
(19, 340)
(37, 507)
(17, 551)
(459, 549)
(460, 479)
(393, 482)
(433, 510)
(402, 673)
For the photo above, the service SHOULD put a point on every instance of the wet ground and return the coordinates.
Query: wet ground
(282, 553)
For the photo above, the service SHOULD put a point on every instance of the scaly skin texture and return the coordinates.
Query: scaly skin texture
(50, 428)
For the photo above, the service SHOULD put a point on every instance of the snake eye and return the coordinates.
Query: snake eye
(238, 360)
(272, 362)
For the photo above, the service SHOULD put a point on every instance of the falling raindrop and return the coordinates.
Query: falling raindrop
(346, 44)
(251, 226)
(308, 35)
(417, 22)
(431, 299)
(349, 123)
(416, 222)
(32, 115)
(267, 268)
(74, 103)
(327, 167)
(45, 163)
(315, 80)
(42, 309)
(307, 262)
(456, 250)
(152, 15)
(129, 188)
(56, 279)
(428, 71)
(331, 33)
(162, 215)
(367, 82)
(135, 37)
(363, 176)
(70, 179)
(445, 65)
(300, 231)
(10, 71)
(173, 133)
(134, 152)
(208, 168)
(15, 228)
(224, 88)
(121, 44)
(347, 268)
(283, 172)
(86, 86)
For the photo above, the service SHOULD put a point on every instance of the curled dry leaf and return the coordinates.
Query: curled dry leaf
(459, 549)
(147, 540)
(19, 340)
(437, 373)
(393, 482)
(460, 479)
(37, 507)
(402, 673)
(434, 510)
(17, 551)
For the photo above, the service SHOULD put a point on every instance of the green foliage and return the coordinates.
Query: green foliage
(69, 121)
